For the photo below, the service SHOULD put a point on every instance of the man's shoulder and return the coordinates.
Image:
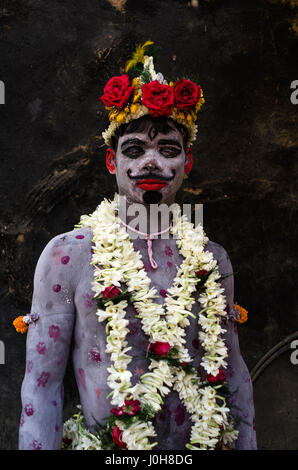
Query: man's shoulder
(219, 253)
(74, 243)
(215, 248)
(80, 236)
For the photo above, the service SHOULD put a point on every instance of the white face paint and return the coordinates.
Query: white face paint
(147, 161)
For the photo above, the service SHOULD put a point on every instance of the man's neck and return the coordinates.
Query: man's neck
(145, 218)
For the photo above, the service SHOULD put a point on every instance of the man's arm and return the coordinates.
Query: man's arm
(47, 350)
(241, 403)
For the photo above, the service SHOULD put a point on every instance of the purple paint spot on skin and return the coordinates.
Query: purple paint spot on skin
(82, 378)
(133, 328)
(235, 328)
(245, 414)
(230, 371)
(195, 343)
(94, 355)
(43, 379)
(65, 259)
(179, 415)
(163, 292)
(22, 420)
(29, 367)
(29, 409)
(165, 414)
(169, 264)
(57, 252)
(80, 237)
(147, 267)
(54, 403)
(168, 251)
(60, 361)
(88, 300)
(246, 377)
(56, 288)
(41, 348)
(54, 332)
(56, 428)
(36, 445)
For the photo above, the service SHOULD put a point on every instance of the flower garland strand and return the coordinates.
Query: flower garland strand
(116, 261)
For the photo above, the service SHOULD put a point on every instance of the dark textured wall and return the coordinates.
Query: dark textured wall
(55, 59)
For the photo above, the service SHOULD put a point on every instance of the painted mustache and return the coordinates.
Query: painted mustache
(151, 176)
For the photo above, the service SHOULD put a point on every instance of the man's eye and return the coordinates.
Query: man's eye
(133, 152)
(169, 152)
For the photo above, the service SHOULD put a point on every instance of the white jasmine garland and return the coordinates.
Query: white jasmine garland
(116, 262)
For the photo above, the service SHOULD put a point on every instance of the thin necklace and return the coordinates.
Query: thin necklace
(149, 238)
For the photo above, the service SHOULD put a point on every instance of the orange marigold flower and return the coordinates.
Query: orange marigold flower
(242, 313)
(19, 325)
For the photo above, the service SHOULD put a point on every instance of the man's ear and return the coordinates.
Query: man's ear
(189, 161)
(111, 161)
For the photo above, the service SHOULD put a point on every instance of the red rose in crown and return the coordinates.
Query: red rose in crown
(186, 94)
(158, 98)
(117, 92)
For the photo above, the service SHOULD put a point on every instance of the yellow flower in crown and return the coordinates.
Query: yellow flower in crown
(138, 56)
(150, 93)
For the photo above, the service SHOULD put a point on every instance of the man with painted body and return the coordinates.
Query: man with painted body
(149, 161)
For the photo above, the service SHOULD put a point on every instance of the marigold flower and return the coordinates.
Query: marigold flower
(19, 325)
(242, 313)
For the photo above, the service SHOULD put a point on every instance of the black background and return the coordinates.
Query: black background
(55, 60)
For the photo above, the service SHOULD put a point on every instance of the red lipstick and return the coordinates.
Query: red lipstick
(151, 184)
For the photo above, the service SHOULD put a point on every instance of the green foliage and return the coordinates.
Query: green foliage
(146, 75)
(102, 303)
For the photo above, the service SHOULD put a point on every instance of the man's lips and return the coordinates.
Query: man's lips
(151, 184)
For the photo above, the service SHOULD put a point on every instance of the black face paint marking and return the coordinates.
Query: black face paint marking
(152, 133)
(152, 197)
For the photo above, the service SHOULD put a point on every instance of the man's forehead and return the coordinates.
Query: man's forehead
(152, 134)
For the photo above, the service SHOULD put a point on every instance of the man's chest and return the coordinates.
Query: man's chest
(90, 335)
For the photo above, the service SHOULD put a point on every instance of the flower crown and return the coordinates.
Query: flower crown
(149, 93)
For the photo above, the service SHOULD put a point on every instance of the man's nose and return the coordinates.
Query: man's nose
(152, 164)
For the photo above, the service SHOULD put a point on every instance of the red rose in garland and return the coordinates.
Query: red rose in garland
(130, 407)
(220, 377)
(117, 92)
(186, 94)
(158, 98)
(110, 292)
(117, 437)
(159, 348)
(201, 273)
